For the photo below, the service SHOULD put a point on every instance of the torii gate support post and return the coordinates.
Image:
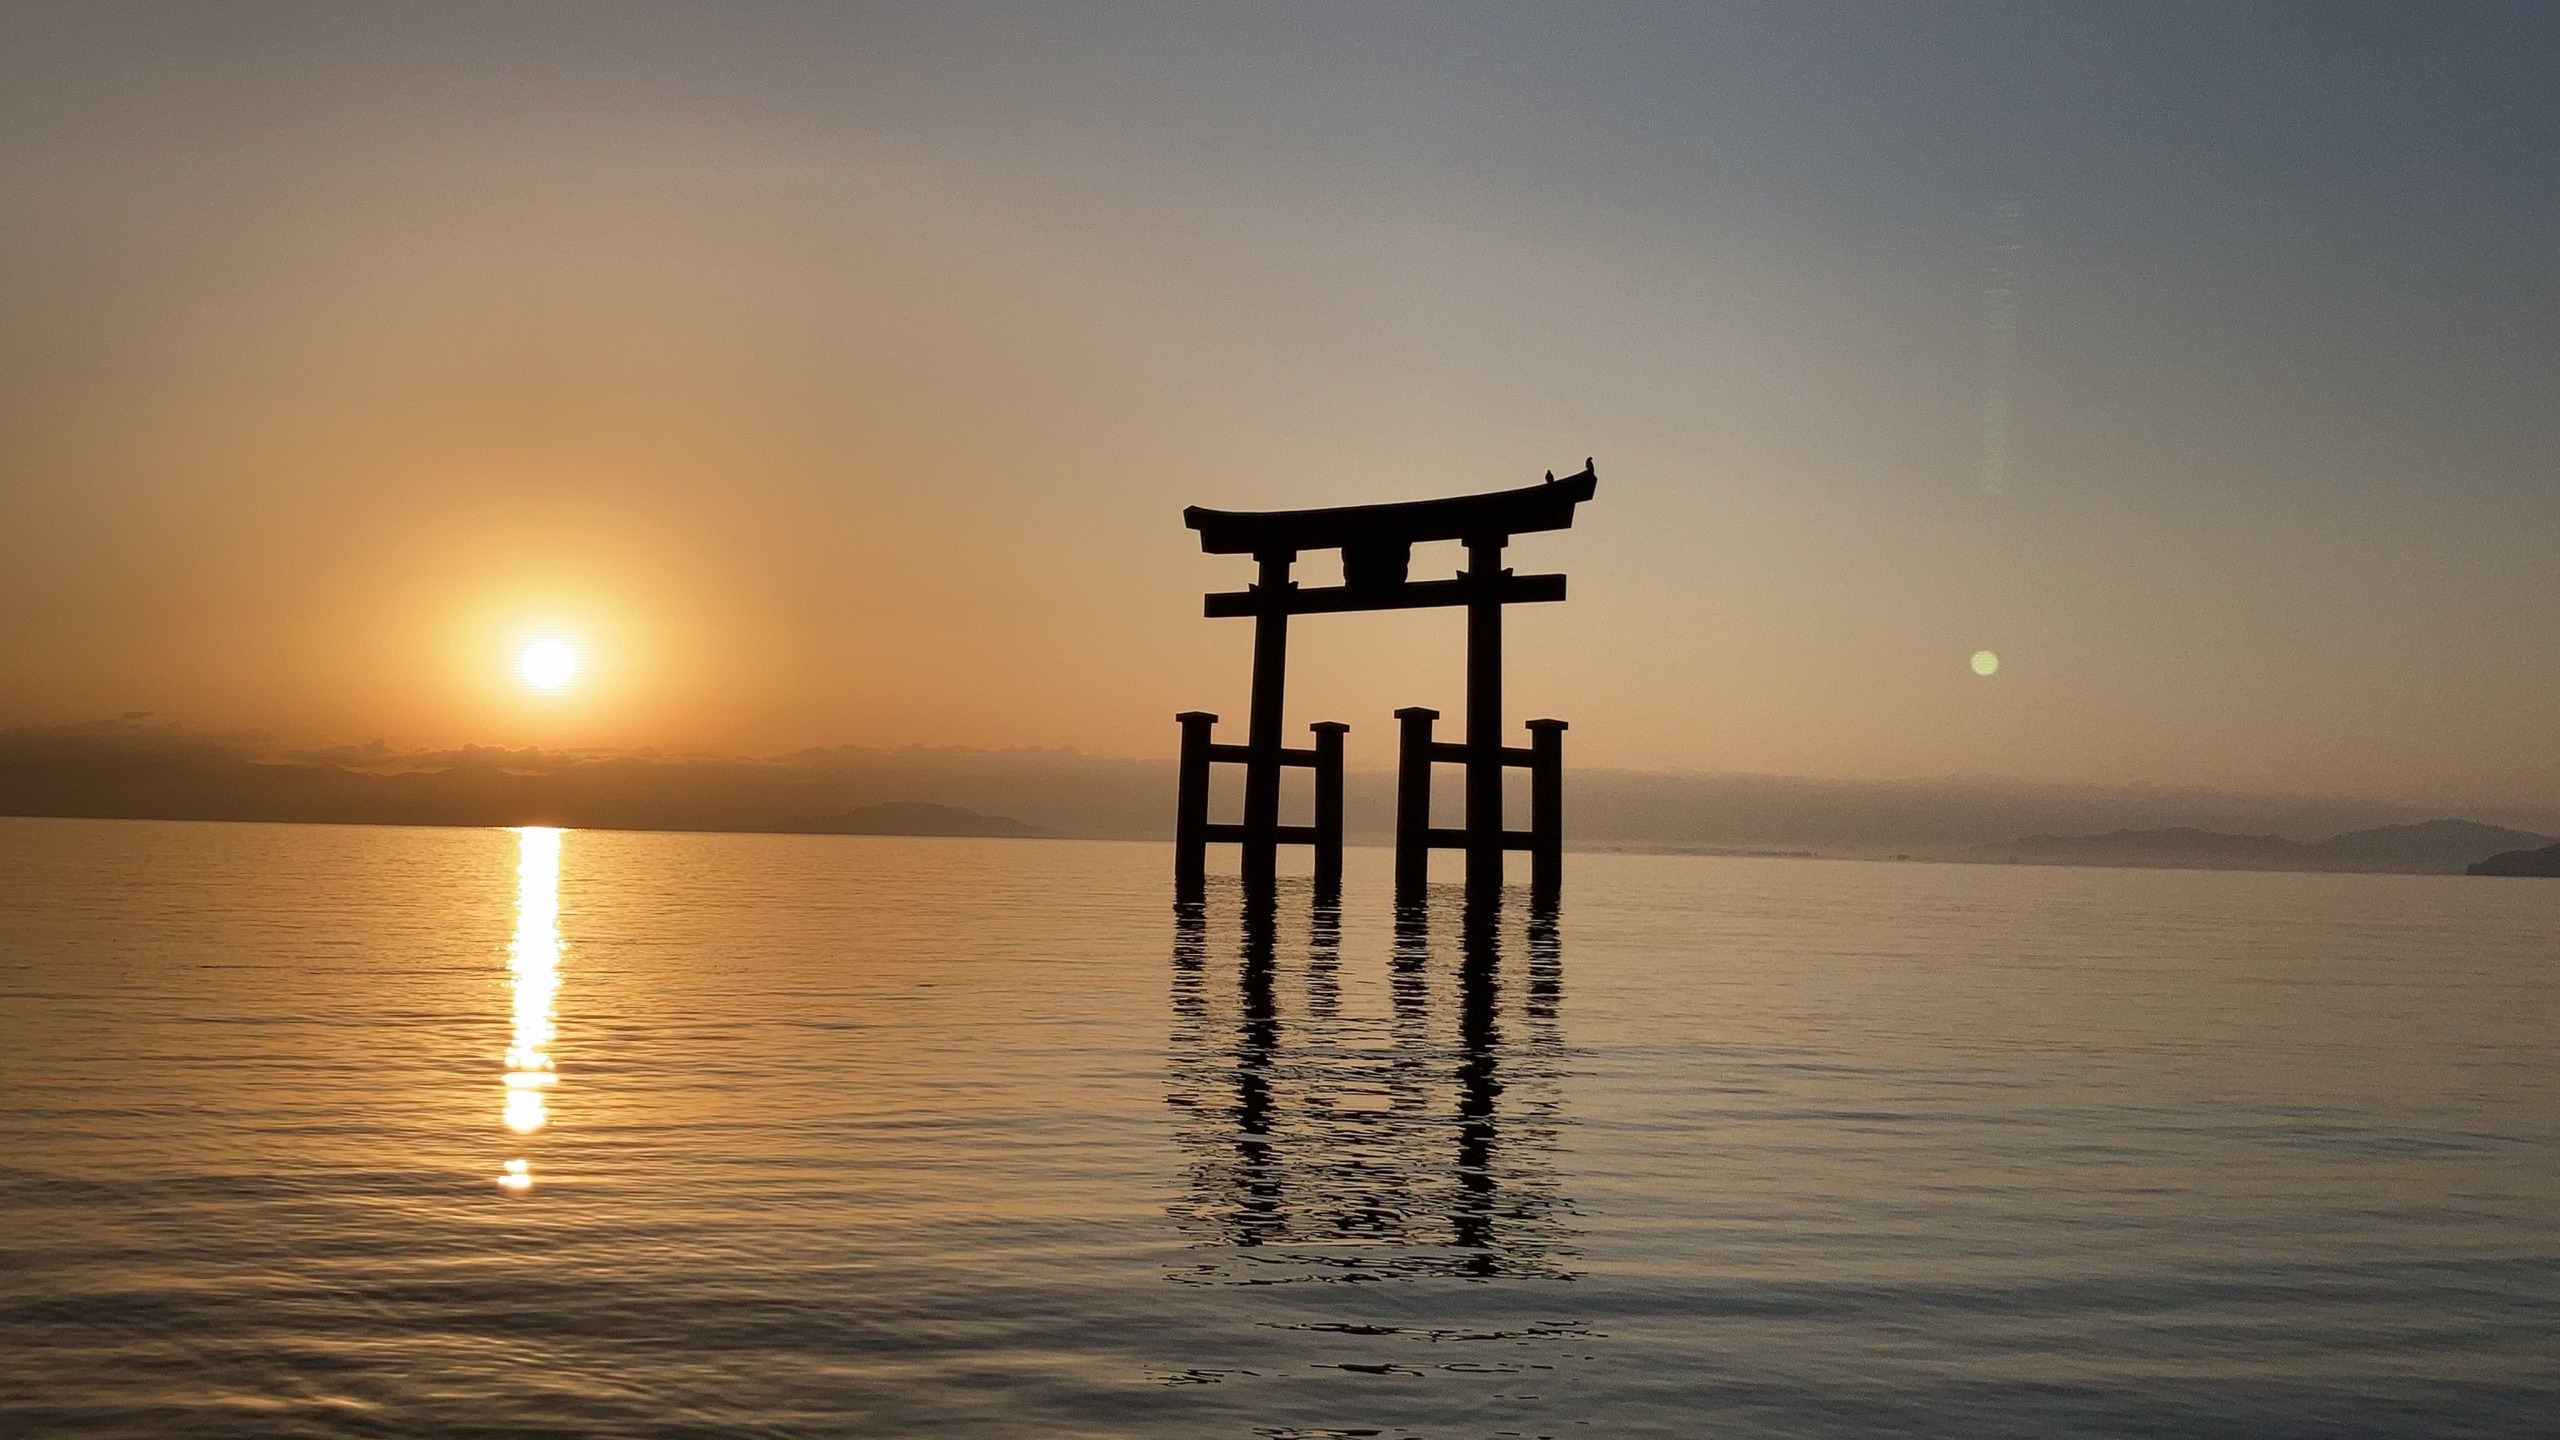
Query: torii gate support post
(1328, 844)
(1546, 811)
(1413, 803)
(1191, 807)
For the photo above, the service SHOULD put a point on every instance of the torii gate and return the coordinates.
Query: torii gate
(1377, 543)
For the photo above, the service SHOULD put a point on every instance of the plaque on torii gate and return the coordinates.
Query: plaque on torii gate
(1377, 543)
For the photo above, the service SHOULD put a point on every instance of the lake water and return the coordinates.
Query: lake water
(340, 1131)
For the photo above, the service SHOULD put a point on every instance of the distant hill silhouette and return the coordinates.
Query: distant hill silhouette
(2545, 861)
(2430, 847)
(147, 769)
(128, 769)
(2435, 847)
(914, 817)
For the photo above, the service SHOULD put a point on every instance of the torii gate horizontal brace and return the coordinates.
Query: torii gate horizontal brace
(1400, 595)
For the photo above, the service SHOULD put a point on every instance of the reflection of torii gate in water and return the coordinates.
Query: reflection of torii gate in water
(1377, 543)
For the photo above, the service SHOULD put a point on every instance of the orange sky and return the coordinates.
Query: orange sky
(839, 378)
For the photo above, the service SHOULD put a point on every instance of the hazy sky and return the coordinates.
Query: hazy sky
(836, 374)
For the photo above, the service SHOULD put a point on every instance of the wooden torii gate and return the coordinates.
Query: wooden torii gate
(1377, 543)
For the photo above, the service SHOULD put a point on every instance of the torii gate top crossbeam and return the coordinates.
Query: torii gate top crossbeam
(1360, 528)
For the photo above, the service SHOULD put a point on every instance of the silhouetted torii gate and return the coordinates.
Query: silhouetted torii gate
(1377, 543)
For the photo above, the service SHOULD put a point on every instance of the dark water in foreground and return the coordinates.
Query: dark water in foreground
(312, 1131)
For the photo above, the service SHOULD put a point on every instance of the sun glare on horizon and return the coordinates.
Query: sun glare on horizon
(548, 664)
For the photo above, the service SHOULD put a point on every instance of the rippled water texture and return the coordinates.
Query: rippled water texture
(315, 1131)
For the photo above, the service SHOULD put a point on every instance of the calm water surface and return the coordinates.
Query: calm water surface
(319, 1131)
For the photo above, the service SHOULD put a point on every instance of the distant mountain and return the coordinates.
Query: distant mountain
(141, 768)
(158, 771)
(2545, 861)
(913, 817)
(2430, 847)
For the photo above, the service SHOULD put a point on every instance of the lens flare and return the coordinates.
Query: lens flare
(1985, 663)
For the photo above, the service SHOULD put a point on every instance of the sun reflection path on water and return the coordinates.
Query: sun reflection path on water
(533, 978)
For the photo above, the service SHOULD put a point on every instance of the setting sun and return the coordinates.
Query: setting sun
(548, 664)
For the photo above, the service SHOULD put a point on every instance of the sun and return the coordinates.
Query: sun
(548, 664)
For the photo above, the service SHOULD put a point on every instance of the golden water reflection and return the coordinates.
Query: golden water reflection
(533, 979)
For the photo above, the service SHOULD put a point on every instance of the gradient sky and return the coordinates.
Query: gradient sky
(836, 374)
